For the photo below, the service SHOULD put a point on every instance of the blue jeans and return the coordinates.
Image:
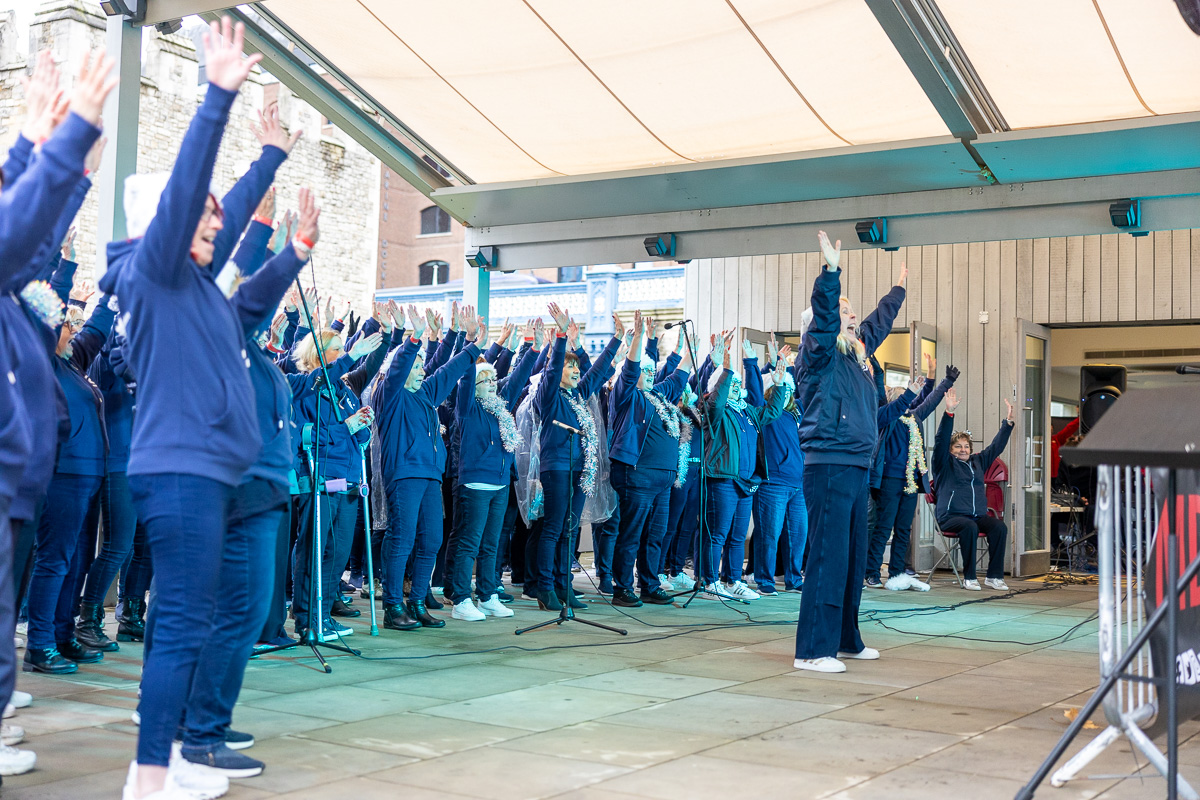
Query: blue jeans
(338, 515)
(414, 529)
(837, 524)
(480, 517)
(58, 533)
(137, 572)
(604, 541)
(728, 519)
(8, 611)
(563, 507)
(775, 504)
(247, 569)
(116, 509)
(185, 517)
(645, 496)
(894, 510)
(683, 520)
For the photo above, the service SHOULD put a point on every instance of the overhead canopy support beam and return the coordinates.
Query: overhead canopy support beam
(293, 72)
(123, 41)
(1075, 207)
(934, 56)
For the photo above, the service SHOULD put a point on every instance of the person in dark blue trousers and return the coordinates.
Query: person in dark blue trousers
(646, 451)
(683, 514)
(780, 500)
(838, 435)
(488, 439)
(569, 462)
(413, 463)
(962, 497)
(903, 448)
(195, 432)
(736, 464)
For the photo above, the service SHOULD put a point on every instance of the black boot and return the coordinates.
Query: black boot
(89, 628)
(396, 618)
(48, 660)
(433, 602)
(132, 622)
(421, 614)
(572, 598)
(340, 609)
(76, 652)
(548, 601)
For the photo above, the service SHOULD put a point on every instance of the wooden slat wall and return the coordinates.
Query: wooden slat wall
(1067, 280)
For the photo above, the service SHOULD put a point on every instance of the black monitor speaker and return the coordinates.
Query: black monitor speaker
(1099, 387)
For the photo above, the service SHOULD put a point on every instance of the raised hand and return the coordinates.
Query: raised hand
(91, 163)
(916, 384)
(68, 245)
(539, 333)
(366, 345)
(1008, 417)
(573, 335)
(455, 316)
(83, 291)
(779, 374)
(395, 313)
(308, 230)
(92, 86)
(951, 373)
(506, 333)
(903, 275)
(481, 337)
(379, 313)
(291, 299)
(223, 62)
(832, 252)
(269, 130)
(772, 349)
(43, 99)
(718, 350)
(417, 321)
(471, 324)
(431, 320)
(784, 352)
(952, 400)
(561, 318)
(748, 349)
(651, 328)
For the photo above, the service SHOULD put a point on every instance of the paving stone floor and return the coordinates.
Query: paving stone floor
(695, 702)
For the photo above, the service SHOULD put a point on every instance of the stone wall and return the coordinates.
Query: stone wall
(343, 174)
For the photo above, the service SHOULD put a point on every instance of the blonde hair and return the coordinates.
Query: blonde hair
(961, 436)
(893, 393)
(73, 314)
(306, 358)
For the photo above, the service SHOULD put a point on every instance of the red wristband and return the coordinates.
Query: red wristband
(266, 221)
(304, 240)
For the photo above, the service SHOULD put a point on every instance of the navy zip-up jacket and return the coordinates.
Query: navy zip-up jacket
(781, 436)
(631, 414)
(411, 444)
(186, 342)
(838, 396)
(478, 431)
(959, 484)
(894, 437)
(84, 450)
(552, 404)
(118, 404)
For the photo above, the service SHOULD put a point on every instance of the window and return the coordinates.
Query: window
(434, 273)
(434, 220)
(570, 274)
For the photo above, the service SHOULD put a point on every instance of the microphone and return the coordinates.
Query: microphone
(566, 427)
(1187, 369)
(670, 325)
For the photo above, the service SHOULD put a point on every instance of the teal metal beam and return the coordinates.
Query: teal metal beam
(123, 42)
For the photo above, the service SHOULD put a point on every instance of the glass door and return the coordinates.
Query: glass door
(1029, 449)
(922, 339)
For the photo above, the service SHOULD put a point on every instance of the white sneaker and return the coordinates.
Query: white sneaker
(466, 610)
(22, 628)
(741, 591)
(11, 734)
(718, 590)
(664, 583)
(996, 583)
(198, 782)
(682, 583)
(494, 608)
(136, 717)
(866, 654)
(171, 791)
(825, 664)
(899, 583)
(10, 711)
(20, 699)
(16, 762)
(971, 585)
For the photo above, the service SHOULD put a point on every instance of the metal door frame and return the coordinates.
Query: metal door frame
(1023, 460)
(924, 524)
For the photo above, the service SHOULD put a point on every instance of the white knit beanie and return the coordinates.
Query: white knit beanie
(142, 193)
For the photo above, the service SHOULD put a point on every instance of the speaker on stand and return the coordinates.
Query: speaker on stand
(1099, 387)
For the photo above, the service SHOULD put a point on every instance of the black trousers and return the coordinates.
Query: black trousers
(968, 530)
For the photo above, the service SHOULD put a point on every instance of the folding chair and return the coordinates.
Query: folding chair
(951, 544)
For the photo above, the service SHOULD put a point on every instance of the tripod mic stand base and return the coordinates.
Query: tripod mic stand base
(568, 615)
(309, 639)
(699, 589)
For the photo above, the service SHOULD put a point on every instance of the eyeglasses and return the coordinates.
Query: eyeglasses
(212, 213)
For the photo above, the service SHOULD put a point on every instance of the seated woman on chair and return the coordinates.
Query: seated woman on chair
(961, 498)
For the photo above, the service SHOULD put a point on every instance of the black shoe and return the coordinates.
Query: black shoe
(548, 601)
(767, 589)
(340, 609)
(132, 622)
(89, 628)
(48, 660)
(658, 598)
(236, 740)
(503, 596)
(421, 614)
(625, 599)
(606, 586)
(433, 602)
(396, 618)
(73, 650)
(573, 597)
(345, 587)
(223, 761)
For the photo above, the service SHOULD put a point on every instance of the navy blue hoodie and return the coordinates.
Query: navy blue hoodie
(478, 431)
(781, 436)
(410, 439)
(634, 415)
(837, 394)
(195, 412)
(552, 404)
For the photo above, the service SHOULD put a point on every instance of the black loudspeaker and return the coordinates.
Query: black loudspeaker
(1190, 9)
(1099, 387)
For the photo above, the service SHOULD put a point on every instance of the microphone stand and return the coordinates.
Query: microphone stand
(365, 489)
(567, 614)
(316, 604)
(700, 586)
